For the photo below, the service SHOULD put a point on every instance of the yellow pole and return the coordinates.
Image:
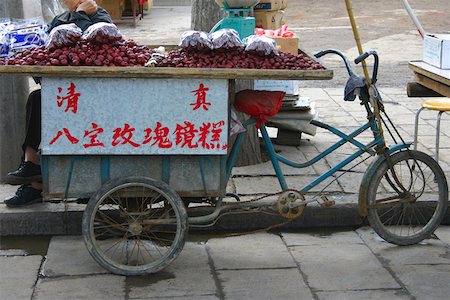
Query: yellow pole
(357, 39)
(366, 72)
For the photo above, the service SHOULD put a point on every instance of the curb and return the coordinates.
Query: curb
(53, 219)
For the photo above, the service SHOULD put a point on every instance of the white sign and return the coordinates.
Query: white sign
(134, 116)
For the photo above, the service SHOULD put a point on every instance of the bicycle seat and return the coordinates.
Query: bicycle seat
(353, 87)
(259, 104)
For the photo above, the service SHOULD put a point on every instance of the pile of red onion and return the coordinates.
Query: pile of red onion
(122, 53)
(237, 58)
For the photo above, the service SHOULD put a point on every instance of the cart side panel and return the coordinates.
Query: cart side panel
(81, 176)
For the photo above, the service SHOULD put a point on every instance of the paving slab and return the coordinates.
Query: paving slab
(190, 275)
(201, 297)
(266, 168)
(431, 251)
(13, 252)
(264, 284)
(266, 184)
(344, 266)
(6, 191)
(98, 287)
(68, 256)
(254, 251)
(366, 295)
(18, 276)
(321, 238)
(430, 282)
(443, 233)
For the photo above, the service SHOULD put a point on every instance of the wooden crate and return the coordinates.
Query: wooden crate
(113, 7)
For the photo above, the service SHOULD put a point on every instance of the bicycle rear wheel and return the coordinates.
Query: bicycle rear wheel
(135, 225)
(407, 201)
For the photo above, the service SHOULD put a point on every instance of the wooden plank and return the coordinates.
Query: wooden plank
(434, 85)
(439, 75)
(142, 72)
(414, 89)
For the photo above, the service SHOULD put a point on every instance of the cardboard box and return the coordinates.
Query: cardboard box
(269, 19)
(291, 87)
(436, 50)
(271, 5)
(113, 7)
(288, 45)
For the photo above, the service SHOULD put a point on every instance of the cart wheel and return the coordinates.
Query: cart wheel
(407, 205)
(135, 225)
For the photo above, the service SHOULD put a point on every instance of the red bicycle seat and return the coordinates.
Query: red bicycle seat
(259, 104)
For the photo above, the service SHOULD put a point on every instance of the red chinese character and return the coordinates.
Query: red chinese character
(161, 136)
(93, 136)
(123, 136)
(71, 98)
(216, 132)
(204, 131)
(66, 132)
(184, 135)
(201, 98)
(147, 137)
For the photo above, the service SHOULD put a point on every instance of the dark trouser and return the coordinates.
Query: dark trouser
(33, 121)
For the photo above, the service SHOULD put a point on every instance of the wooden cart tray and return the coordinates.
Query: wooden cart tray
(143, 72)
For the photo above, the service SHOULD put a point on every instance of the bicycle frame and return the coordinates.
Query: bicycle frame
(276, 158)
(376, 146)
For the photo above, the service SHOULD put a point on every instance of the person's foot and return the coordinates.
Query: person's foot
(25, 195)
(26, 173)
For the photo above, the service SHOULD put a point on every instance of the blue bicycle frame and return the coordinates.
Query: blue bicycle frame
(276, 158)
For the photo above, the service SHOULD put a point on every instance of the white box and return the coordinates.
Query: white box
(289, 86)
(436, 50)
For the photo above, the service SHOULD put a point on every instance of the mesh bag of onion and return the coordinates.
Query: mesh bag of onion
(102, 33)
(226, 39)
(195, 41)
(261, 45)
(63, 36)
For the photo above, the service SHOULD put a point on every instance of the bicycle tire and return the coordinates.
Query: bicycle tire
(424, 195)
(135, 225)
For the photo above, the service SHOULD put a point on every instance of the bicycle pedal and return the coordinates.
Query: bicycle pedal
(327, 202)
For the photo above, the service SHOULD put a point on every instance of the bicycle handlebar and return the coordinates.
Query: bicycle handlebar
(342, 55)
(375, 64)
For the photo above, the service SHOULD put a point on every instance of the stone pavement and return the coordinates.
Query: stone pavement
(252, 181)
(351, 264)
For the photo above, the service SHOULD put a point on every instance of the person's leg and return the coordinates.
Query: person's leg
(30, 170)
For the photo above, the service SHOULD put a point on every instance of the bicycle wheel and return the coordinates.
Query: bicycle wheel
(407, 205)
(134, 226)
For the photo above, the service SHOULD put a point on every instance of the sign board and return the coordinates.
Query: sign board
(133, 116)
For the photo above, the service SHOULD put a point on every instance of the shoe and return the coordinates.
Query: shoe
(27, 173)
(25, 195)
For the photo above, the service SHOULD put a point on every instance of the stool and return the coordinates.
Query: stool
(439, 105)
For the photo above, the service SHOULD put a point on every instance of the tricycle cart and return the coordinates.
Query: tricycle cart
(138, 140)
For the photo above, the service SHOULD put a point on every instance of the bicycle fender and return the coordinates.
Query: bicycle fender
(362, 198)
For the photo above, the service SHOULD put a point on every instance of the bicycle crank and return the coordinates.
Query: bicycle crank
(287, 205)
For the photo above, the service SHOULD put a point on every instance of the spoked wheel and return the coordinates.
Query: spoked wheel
(407, 202)
(135, 225)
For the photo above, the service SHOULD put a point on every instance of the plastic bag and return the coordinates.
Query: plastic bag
(259, 104)
(226, 39)
(195, 40)
(63, 36)
(50, 9)
(261, 45)
(28, 33)
(102, 33)
(4, 38)
(236, 126)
